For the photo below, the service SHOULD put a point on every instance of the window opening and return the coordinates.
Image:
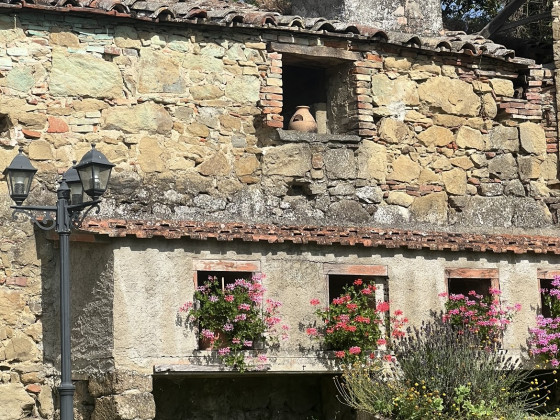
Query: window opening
(323, 85)
(464, 286)
(545, 279)
(224, 277)
(463, 280)
(340, 275)
(338, 281)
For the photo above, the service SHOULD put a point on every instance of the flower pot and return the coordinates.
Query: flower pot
(303, 121)
(205, 343)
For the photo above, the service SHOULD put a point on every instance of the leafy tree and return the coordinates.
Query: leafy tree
(469, 15)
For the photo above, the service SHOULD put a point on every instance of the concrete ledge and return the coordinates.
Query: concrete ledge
(300, 137)
(207, 362)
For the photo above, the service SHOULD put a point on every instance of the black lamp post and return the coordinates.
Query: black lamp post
(91, 176)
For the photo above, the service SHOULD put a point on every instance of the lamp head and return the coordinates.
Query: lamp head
(94, 171)
(19, 175)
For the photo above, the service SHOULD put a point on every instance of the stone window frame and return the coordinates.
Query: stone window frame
(491, 274)
(544, 277)
(360, 271)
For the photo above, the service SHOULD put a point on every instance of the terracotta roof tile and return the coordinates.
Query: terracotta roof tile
(325, 235)
(228, 13)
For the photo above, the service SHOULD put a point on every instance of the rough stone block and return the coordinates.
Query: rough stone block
(133, 406)
(15, 402)
(504, 138)
(349, 210)
(502, 87)
(84, 75)
(533, 138)
(404, 169)
(148, 116)
(387, 91)
(431, 208)
(455, 181)
(453, 96)
(288, 160)
(436, 136)
(112, 383)
(469, 138)
(529, 167)
(340, 164)
(503, 166)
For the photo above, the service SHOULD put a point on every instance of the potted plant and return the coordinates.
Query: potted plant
(235, 318)
(352, 323)
(480, 314)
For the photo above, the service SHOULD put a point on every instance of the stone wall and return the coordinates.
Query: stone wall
(189, 118)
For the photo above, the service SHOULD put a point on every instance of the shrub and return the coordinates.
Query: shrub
(442, 372)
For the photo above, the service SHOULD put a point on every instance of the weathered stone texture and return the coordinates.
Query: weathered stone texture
(289, 160)
(436, 136)
(532, 137)
(395, 131)
(431, 208)
(133, 406)
(468, 138)
(145, 117)
(411, 16)
(388, 92)
(404, 169)
(160, 73)
(504, 138)
(80, 75)
(372, 161)
(450, 95)
(15, 402)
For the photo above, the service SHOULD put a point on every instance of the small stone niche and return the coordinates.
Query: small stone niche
(323, 85)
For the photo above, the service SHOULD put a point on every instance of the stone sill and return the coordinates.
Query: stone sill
(300, 137)
(207, 362)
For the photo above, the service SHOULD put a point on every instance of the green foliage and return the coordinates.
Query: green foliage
(481, 315)
(443, 372)
(469, 15)
(234, 318)
(352, 320)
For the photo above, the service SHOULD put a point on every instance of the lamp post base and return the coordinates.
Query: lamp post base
(66, 393)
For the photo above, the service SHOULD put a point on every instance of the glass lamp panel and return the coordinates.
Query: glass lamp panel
(95, 179)
(76, 193)
(75, 184)
(20, 184)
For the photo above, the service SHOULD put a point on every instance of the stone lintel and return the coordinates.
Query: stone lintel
(315, 51)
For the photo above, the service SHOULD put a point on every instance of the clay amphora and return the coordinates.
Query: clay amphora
(302, 120)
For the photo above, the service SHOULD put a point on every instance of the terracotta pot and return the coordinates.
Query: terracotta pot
(208, 344)
(302, 120)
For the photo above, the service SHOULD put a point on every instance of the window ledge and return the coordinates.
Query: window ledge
(301, 137)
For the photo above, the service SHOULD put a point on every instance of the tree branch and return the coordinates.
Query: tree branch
(500, 19)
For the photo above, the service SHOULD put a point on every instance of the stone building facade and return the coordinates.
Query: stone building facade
(435, 161)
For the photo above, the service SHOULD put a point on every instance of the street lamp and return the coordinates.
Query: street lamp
(91, 176)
